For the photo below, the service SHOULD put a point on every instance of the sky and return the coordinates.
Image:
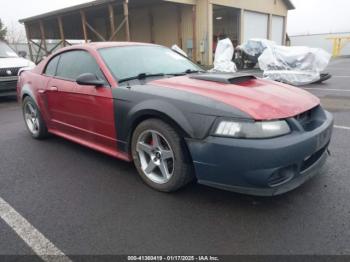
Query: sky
(310, 16)
(319, 16)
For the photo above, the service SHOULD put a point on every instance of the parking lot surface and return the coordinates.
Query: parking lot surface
(87, 203)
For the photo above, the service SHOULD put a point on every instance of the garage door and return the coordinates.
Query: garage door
(277, 29)
(255, 25)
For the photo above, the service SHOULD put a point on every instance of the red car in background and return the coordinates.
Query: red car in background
(147, 104)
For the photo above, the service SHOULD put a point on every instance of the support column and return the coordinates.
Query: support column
(284, 39)
(60, 25)
(83, 22)
(126, 15)
(241, 30)
(43, 38)
(28, 34)
(111, 19)
(151, 22)
(179, 25)
(194, 33)
(204, 34)
(210, 34)
(269, 27)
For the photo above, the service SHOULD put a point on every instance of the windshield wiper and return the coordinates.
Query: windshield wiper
(140, 77)
(145, 75)
(189, 71)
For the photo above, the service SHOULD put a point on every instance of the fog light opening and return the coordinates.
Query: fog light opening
(282, 176)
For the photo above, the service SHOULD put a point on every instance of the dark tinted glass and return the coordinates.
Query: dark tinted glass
(74, 63)
(52, 66)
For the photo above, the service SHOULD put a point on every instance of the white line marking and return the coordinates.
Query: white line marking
(30, 235)
(343, 127)
(326, 89)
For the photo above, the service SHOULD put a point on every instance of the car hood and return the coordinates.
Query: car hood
(15, 62)
(261, 99)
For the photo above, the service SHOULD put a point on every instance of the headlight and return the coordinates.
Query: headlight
(264, 129)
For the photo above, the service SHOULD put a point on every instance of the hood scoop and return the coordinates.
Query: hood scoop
(224, 78)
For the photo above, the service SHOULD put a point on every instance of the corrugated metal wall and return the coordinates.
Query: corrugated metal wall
(165, 25)
(187, 29)
(140, 25)
(166, 21)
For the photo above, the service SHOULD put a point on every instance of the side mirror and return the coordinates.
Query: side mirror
(22, 54)
(89, 79)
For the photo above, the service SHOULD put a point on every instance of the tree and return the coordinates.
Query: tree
(15, 33)
(3, 31)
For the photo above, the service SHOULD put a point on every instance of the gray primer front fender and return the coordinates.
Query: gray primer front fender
(162, 107)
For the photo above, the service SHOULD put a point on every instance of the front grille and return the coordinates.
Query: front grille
(311, 119)
(6, 86)
(304, 118)
(11, 71)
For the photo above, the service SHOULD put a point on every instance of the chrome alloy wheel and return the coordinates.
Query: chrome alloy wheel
(156, 156)
(31, 118)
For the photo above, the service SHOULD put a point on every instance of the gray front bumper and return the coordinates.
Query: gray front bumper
(250, 166)
(303, 177)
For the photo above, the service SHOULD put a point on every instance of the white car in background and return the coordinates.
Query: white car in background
(10, 65)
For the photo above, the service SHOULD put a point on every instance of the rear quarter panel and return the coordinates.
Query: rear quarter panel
(29, 84)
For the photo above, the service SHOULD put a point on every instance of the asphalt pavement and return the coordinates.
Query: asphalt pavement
(87, 203)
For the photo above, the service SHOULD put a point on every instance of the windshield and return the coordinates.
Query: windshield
(6, 51)
(131, 61)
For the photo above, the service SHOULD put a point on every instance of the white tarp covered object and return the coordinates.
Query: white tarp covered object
(223, 57)
(256, 46)
(297, 65)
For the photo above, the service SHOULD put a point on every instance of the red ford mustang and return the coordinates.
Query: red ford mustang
(147, 104)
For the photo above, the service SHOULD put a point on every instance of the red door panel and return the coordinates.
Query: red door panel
(82, 112)
(91, 112)
(59, 95)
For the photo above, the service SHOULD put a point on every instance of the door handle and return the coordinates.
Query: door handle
(53, 88)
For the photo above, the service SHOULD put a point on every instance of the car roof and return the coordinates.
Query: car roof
(99, 45)
(90, 47)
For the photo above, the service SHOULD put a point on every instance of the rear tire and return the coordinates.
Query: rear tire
(160, 157)
(33, 119)
(323, 78)
(251, 65)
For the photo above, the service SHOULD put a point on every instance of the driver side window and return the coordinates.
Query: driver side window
(74, 63)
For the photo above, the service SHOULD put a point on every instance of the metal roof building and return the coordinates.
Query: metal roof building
(191, 24)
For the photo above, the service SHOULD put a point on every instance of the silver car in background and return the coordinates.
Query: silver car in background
(10, 65)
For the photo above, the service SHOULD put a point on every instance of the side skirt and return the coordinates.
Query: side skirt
(107, 151)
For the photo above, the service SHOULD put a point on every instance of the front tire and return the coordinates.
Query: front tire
(160, 157)
(239, 63)
(33, 119)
